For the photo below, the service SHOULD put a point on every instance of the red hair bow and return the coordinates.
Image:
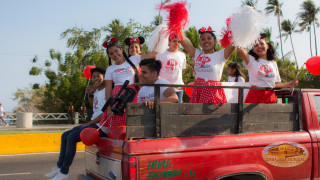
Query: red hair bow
(113, 40)
(203, 29)
(134, 40)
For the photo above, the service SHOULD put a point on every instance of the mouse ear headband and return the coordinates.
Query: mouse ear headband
(208, 30)
(204, 30)
(129, 41)
(112, 41)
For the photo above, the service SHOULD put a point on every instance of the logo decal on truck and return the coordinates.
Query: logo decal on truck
(285, 154)
(162, 169)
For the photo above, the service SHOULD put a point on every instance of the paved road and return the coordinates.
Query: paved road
(34, 166)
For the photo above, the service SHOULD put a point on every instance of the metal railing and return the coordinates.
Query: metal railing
(39, 116)
(240, 103)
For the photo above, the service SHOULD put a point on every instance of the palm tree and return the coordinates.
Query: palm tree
(268, 32)
(288, 28)
(251, 3)
(308, 17)
(273, 6)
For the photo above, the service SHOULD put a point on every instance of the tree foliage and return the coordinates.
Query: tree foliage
(66, 82)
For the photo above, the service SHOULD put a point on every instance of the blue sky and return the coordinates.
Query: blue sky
(30, 28)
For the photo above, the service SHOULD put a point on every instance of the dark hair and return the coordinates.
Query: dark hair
(212, 34)
(136, 76)
(237, 67)
(98, 69)
(271, 53)
(152, 64)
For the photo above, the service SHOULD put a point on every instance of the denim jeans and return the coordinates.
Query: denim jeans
(180, 96)
(68, 147)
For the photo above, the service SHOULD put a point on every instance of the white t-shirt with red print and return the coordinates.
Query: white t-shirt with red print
(209, 66)
(233, 79)
(262, 73)
(98, 102)
(172, 65)
(120, 73)
(147, 92)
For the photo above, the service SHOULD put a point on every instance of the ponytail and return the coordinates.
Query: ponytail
(136, 72)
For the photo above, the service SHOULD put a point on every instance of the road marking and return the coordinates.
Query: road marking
(14, 174)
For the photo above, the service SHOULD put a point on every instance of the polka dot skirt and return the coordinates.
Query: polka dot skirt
(208, 95)
(116, 121)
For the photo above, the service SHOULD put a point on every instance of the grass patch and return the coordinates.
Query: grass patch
(28, 132)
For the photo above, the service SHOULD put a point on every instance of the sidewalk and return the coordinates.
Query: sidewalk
(35, 142)
(42, 127)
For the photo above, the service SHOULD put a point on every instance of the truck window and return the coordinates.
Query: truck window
(317, 102)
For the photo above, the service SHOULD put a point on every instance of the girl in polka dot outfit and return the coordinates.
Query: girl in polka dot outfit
(123, 69)
(208, 67)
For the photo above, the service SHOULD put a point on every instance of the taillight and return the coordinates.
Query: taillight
(133, 168)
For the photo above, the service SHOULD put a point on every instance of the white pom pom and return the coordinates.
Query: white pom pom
(246, 26)
(158, 41)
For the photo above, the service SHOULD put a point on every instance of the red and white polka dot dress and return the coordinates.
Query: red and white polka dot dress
(116, 121)
(208, 95)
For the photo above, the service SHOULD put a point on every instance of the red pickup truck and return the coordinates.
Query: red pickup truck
(200, 141)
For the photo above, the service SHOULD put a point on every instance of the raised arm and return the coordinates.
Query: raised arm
(186, 44)
(149, 56)
(243, 53)
(228, 51)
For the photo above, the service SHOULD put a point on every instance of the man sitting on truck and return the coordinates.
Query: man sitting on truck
(150, 69)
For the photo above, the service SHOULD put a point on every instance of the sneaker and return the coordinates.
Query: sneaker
(61, 176)
(55, 171)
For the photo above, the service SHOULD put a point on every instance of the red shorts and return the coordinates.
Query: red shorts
(116, 121)
(261, 96)
(207, 95)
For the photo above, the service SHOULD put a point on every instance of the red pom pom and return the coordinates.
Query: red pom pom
(105, 45)
(226, 35)
(209, 28)
(178, 17)
(113, 40)
(228, 22)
